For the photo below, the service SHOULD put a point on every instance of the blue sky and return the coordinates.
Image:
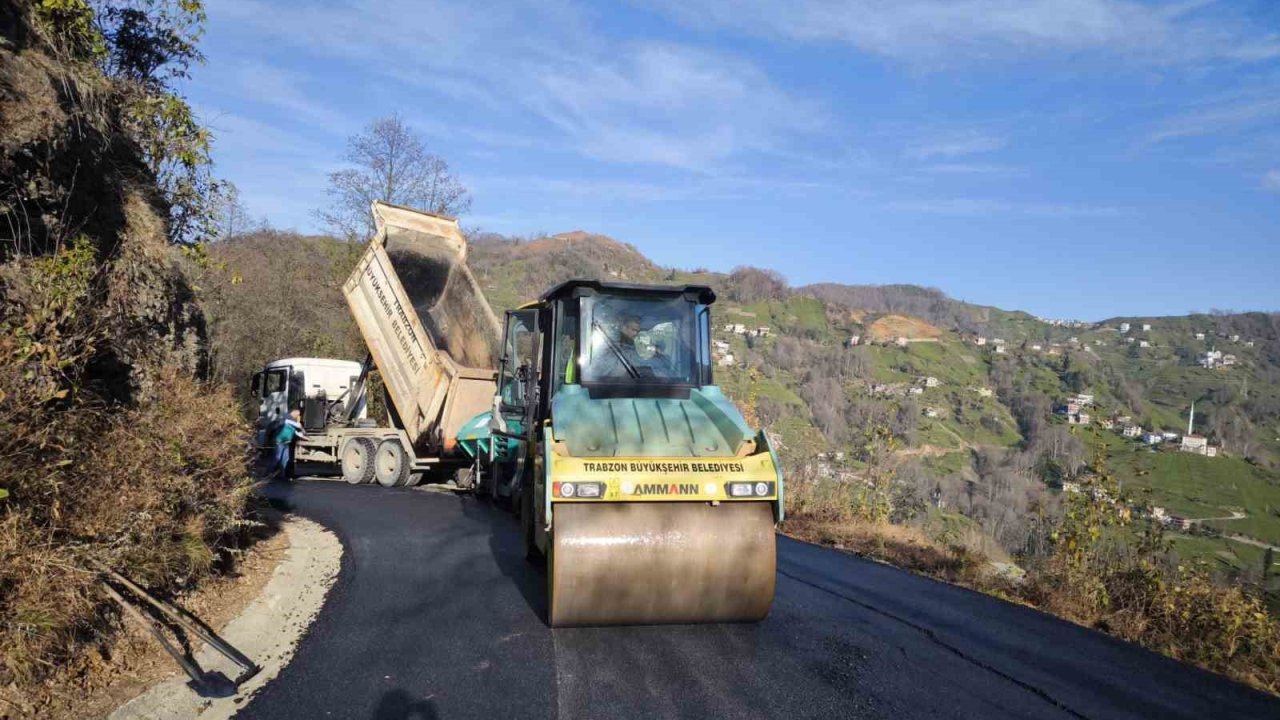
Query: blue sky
(1072, 158)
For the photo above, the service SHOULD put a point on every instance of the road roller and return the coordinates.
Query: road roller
(640, 485)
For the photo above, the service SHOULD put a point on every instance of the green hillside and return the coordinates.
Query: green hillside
(982, 432)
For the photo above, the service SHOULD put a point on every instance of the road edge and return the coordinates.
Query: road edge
(268, 630)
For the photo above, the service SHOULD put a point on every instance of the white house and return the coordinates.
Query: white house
(1248, 343)
(1124, 328)
(929, 381)
(1131, 431)
(1144, 344)
(1199, 336)
(979, 340)
(1152, 438)
(1210, 359)
(726, 360)
(916, 391)
(931, 412)
(1146, 327)
(1197, 444)
(1235, 338)
(1037, 348)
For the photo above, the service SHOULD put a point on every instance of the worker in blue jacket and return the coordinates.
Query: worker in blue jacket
(288, 434)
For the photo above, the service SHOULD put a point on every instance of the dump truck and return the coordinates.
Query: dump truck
(640, 485)
(430, 334)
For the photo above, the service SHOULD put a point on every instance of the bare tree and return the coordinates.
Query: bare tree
(390, 164)
(232, 218)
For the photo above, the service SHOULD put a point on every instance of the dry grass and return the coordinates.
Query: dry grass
(154, 490)
(895, 326)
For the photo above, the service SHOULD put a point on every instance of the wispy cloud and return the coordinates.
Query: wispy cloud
(955, 145)
(629, 102)
(1218, 117)
(972, 169)
(982, 207)
(939, 32)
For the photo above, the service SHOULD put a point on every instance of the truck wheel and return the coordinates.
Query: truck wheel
(357, 461)
(391, 463)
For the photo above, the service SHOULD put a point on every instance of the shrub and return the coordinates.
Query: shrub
(155, 491)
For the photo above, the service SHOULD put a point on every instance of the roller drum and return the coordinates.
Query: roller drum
(648, 563)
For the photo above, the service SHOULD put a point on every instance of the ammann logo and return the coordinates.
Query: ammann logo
(667, 489)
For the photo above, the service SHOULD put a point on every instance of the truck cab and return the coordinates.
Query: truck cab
(314, 386)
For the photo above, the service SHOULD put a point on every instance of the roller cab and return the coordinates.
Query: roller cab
(637, 481)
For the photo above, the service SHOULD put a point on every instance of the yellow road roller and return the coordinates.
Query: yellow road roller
(637, 481)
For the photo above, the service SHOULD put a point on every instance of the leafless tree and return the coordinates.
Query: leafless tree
(391, 164)
(232, 217)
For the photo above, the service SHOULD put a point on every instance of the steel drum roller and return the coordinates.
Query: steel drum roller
(643, 563)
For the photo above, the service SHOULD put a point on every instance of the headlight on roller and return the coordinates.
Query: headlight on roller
(569, 490)
(740, 489)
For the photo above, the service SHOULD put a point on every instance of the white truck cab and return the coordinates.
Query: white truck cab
(312, 385)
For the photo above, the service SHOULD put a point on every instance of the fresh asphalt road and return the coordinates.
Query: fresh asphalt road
(435, 614)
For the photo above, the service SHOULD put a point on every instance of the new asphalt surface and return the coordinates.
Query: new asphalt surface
(436, 614)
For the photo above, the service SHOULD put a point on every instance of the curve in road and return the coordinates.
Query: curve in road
(436, 614)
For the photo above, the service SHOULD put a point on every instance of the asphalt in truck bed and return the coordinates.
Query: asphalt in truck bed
(436, 614)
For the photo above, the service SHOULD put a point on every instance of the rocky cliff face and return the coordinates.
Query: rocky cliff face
(69, 174)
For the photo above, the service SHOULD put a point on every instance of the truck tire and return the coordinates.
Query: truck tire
(357, 461)
(391, 463)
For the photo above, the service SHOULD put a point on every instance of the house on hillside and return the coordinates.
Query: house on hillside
(1132, 431)
(901, 342)
(1169, 435)
(762, 331)
(1124, 328)
(1000, 349)
(1209, 359)
(853, 340)
(1248, 343)
(725, 360)
(979, 341)
(1080, 418)
(916, 391)
(1146, 327)
(736, 329)
(931, 412)
(929, 382)
(1199, 336)
(1228, 360)
(1197, 444)
(985, 392)
(1152, 438)
(1124, 420)
(1036, 348)
(1083, 399)
(1107, 424)
(1235, 338)
(1144, 344)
